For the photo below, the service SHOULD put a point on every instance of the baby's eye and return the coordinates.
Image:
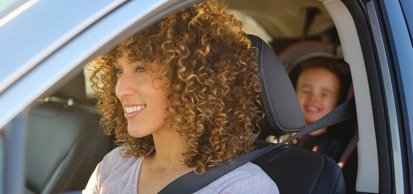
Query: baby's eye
(325, 94)
(140, 69)
(305, 91)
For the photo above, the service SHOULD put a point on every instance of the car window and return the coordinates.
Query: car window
(88, 85)
(8, 6)
(408, 15)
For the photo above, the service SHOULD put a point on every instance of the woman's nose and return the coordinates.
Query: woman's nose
(124, 86)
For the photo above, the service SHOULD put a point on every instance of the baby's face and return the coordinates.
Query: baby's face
(318, 93)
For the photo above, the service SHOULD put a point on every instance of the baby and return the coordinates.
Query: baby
(322, 83)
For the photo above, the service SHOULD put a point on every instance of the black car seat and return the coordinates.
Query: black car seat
(64, 141)
(346, 131)
(293, 169)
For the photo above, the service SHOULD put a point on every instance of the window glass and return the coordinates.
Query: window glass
(87, 72)
(7, 6)
(407, 6)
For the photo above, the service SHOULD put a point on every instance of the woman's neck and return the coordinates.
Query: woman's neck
(164, 164)
(169, 148)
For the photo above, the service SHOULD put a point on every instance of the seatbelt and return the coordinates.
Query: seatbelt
(351, 146)
(190, 182)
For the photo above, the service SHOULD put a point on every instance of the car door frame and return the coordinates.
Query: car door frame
(377, 30)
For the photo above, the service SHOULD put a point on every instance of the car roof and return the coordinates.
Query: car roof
(294, 26)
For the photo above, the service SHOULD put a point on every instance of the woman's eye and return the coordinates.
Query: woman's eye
(140, 69)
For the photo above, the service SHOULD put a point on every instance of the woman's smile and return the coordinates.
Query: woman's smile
(132, 111)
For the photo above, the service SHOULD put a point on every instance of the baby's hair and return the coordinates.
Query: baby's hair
(337, 66)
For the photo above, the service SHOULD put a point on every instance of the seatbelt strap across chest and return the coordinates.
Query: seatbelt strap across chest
(190, 182)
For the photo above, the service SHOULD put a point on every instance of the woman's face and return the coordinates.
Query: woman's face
(318, 93)
(143, 96)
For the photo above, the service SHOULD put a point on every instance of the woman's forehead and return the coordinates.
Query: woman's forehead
(128, 59)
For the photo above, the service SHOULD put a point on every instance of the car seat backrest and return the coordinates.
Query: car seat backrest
(64, 141)
(346, 132)
(293, 169)
(279, 101)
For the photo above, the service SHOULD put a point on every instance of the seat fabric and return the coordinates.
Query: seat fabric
(298, 170)
(64, 142)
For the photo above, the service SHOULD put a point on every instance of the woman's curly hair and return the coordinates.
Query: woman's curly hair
(210, 69)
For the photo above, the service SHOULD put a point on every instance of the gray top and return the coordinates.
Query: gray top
(117, 174)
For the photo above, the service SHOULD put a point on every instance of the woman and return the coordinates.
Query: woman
(180, 96)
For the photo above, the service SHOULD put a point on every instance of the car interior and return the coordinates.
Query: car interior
(65, 162)
(51, 139)
(66, 140)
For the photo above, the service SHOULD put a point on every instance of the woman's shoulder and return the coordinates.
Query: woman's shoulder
(248, 170)
(248, 178)
(250, 173)
(115, 173)
(114, 160)
(114, 155)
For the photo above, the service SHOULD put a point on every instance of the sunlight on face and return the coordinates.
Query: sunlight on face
(143, 97)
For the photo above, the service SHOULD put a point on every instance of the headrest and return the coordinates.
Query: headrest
(303, 50)
(279, 101)
(74, 89)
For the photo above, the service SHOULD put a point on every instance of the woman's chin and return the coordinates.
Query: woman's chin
(136, 133)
